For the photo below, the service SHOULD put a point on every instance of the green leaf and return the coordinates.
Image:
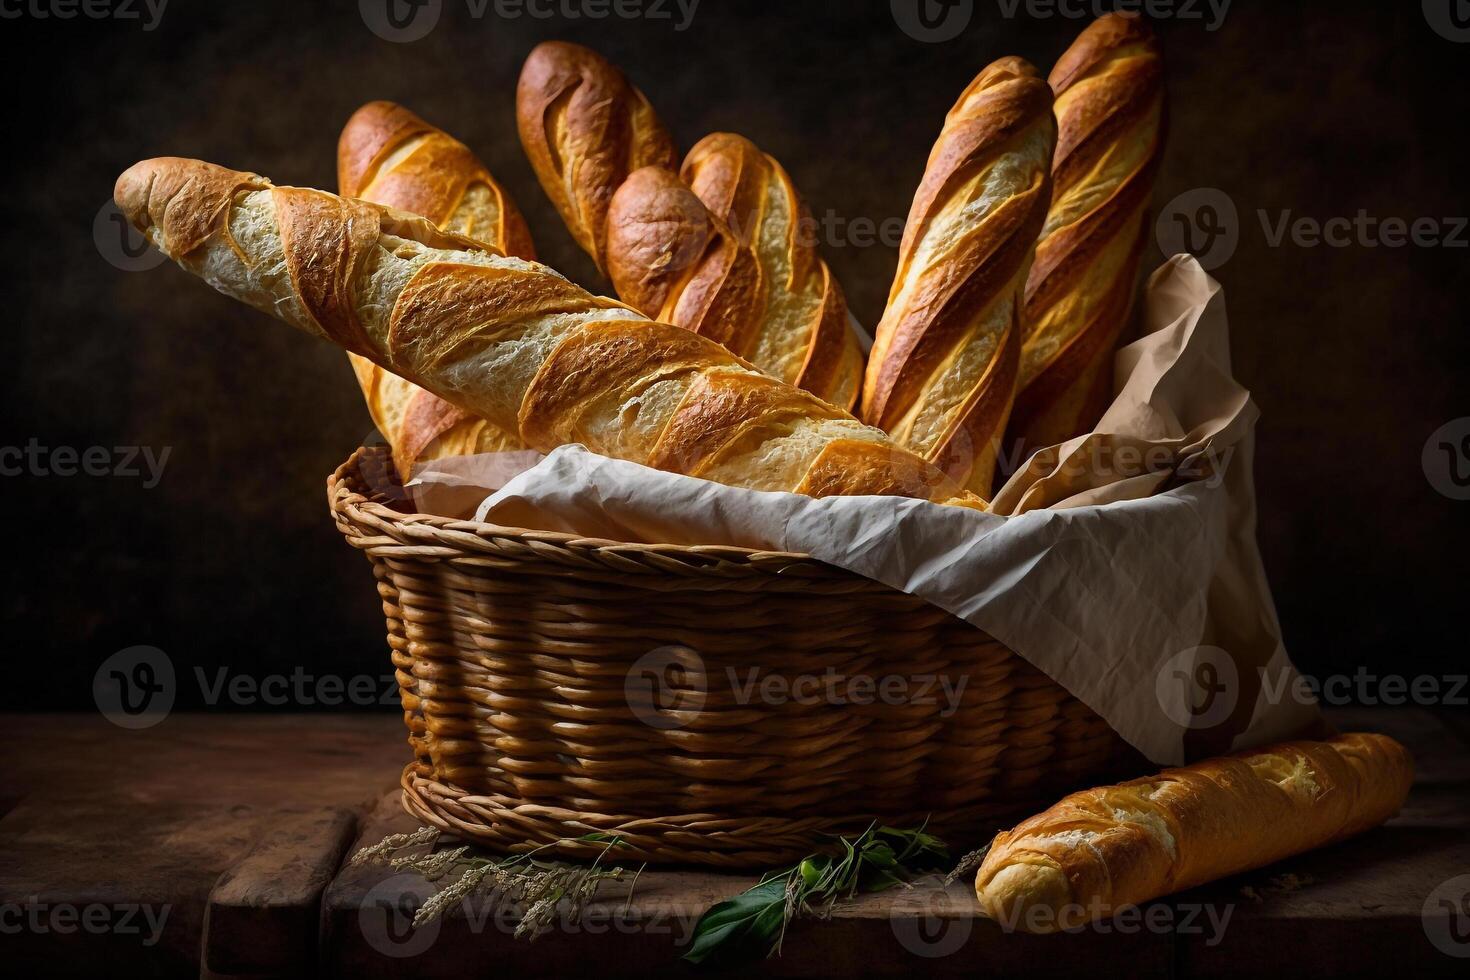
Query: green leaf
(749, 921)
(754, 921)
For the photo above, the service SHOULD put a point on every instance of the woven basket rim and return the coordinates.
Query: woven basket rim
(432, 536)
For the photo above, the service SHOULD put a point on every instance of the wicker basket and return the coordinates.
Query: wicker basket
(554, 686)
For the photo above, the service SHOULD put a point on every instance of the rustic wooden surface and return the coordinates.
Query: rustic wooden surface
(238, 828)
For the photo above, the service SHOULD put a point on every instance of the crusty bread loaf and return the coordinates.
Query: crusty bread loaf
(942, 372)
(1109, 89)
(1103, 849)
(672, 260)
(507, 340)
(747, 274)
(390, 156)
(585, 128)
(804, 335)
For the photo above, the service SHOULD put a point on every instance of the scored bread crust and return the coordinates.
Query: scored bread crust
(508, 340)
(1109, 88)
(805, 337)
(584, 128)
(674, 261)
(1102, 849)
(942, 372)
(388, 155)
(730, 255)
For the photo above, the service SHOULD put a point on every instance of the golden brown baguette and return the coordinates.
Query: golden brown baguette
(585, 128)
(1102, 849)
(1109, 89)
(507, 340)
(804, 336)
(744, 273)
(673, 261)
(942, 372)
(390, 156)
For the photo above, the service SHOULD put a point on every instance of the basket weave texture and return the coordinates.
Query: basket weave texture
(710, 705)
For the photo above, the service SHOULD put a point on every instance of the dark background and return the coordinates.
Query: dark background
(1355, 354)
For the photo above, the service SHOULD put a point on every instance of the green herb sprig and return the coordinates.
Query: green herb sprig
(755, 921)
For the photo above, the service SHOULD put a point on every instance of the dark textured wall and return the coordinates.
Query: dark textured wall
(1356, 354)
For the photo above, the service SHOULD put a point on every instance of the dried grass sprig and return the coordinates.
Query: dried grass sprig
(544, 888)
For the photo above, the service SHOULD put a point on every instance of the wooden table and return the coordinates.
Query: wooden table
(216, 845)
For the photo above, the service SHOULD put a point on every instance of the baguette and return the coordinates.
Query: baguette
(751, 280)
(1103, 849)
(508, 340)
(390, 156)
(942, 372)
(585, 128)
(1109, 89)
(804, 337)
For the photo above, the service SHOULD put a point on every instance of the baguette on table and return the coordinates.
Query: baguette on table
(1103, 849)
(1109, 88)
(507, 340)
(390, 156)
(729, 255)
(585, 128)
(942, 372)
